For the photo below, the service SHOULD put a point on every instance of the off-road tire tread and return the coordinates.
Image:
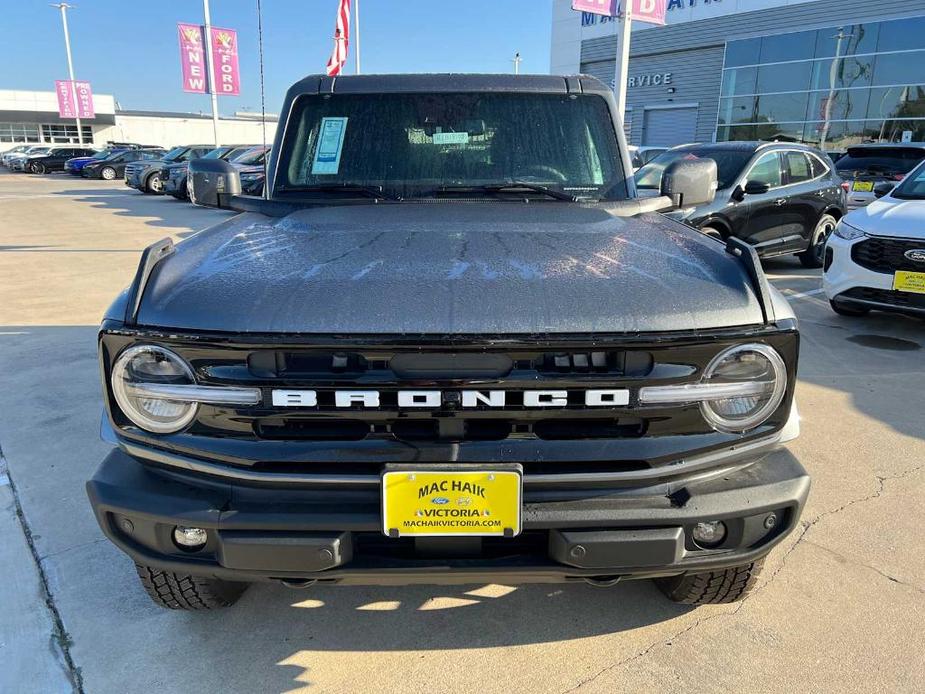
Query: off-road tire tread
(712, 587)
(183, 592)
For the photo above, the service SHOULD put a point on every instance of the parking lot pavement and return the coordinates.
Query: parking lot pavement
(840, 606)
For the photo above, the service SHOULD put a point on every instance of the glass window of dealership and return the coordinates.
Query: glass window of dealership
(830, 87)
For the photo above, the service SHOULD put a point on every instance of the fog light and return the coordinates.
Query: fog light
(710, 533)
(189, 538)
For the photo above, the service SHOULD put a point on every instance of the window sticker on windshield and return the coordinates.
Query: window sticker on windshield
(451, 138)
(330, 144)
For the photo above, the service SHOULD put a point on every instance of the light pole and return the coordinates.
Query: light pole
(623, 58)
(211, 68)
(64, 7)
(517, 60)
(356, 32)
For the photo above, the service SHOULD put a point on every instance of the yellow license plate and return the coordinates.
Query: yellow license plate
(905, 281)
(451, 502)
(862, 186)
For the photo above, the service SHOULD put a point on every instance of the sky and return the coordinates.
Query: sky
(129, 48)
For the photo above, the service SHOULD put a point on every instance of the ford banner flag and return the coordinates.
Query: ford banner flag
(226, 79)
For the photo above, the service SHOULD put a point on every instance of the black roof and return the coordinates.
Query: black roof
(888, 145)
(448, 82)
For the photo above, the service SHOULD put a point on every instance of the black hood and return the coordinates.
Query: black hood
(449, 267)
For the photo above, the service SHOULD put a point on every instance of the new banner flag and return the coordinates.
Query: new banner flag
(192, 58)
(607, 8)
(226, 79)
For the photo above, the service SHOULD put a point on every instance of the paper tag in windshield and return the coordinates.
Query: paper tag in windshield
(330, 145)
(451, 138)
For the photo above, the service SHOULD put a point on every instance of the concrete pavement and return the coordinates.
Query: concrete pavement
(840, 605)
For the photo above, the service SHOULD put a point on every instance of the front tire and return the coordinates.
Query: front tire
(711, 587)
(814, 256)
(108, 173)
(37, 168)
(154, 184)
(183, 592)
(712, 232)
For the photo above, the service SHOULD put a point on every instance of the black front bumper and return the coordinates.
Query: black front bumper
(297, 535)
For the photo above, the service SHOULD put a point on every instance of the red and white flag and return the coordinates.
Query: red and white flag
(341, 39)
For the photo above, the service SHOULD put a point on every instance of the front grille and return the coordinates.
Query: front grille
(298, 424)
(888, 296)
(886, 255)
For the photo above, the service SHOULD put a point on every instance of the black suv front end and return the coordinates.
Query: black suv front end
(293, 494)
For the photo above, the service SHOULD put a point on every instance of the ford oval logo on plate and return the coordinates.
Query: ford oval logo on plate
(440, 500)
(916, 255)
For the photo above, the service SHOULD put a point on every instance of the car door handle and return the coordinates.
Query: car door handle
(780, 201)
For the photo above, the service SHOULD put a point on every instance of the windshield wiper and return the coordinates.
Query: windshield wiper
(369, 191)
(509, 187)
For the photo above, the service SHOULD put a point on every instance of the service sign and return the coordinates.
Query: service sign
(192, 58)
(226, 78)
(608, 8)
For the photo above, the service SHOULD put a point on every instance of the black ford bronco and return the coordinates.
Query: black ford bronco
(450, 345)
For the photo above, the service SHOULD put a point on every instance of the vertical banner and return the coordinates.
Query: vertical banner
(192, 58)
(650, 11)
(84, 100)
(607, 8)
(66, 106)
(226, 79)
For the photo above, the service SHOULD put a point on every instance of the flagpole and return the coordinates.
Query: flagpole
(211, 68)
(623, 59)
(356, 28)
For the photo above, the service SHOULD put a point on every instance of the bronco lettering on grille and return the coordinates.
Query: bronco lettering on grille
(469, 399)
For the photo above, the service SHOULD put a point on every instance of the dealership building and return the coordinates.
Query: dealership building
(32, 117)
(827, 72)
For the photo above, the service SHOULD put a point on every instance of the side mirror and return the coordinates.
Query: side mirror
(757, 188)
(690, 182)
(213, 182)
(882, 189)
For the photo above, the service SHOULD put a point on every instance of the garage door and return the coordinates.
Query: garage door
(666, 127)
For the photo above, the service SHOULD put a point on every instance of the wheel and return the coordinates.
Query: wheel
(843, 310)
(181, 592)
(37, 168)
(154, 184)
(711, 587)
(712, 232)
(182, 191)
(108, 173)
(814, 256)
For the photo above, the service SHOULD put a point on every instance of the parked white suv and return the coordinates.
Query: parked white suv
(875, 259)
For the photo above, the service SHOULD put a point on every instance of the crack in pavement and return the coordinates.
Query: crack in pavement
(59, 636)
(854, 562)
(805, 527)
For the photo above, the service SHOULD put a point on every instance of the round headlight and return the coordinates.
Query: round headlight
(150, 364)
(757, 380)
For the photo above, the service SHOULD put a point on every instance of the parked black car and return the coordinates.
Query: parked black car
(113, 167)
(54, 159)
(866, 166)
(452, 345)
(146, 175)
(173, 175)
(780, 198)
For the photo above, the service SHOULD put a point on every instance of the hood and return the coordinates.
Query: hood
(890, 216)
(449, 267)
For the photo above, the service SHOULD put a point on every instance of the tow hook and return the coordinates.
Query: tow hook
(603, 581)
(295, 585)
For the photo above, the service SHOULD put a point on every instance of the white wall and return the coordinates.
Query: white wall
(13, 100)
(567, 32)
(167, 132)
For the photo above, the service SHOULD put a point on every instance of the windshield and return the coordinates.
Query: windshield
(37, 150)
(252, 156)
(729, 164)
(104, 154)
(879, 161)
(424, 144)
(218, 153)
(175, 153)
(913, 186)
